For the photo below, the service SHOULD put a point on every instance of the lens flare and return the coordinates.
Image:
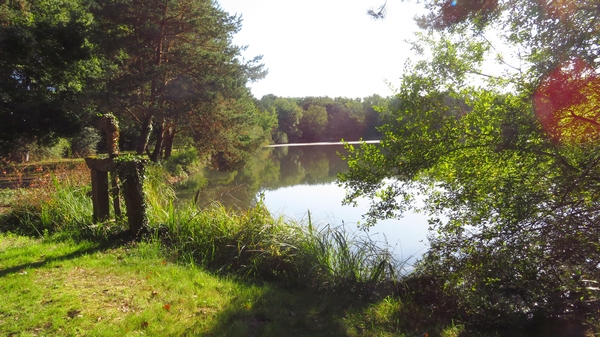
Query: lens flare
(567, 103)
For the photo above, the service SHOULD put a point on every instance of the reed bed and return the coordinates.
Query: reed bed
(254, 243)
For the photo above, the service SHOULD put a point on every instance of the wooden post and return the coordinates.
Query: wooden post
(131, 175)
(100, 199)
(100, 195)
(115, 193)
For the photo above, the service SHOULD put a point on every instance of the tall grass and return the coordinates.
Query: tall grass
(254, 243)
(58, 205)
(349, 260)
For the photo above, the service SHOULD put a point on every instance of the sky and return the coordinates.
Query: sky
(325, 47)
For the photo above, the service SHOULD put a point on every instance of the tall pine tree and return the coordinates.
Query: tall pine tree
(175, 69)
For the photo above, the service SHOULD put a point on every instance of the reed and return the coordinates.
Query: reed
(344, 259)
(253, 243)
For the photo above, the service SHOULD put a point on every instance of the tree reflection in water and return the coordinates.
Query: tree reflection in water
(271, 169)
(294, 180)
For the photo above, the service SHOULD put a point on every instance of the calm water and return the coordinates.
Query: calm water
(294, 180)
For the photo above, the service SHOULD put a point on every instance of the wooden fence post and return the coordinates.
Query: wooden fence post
(131, 174)
(100, 199)
(129, 170)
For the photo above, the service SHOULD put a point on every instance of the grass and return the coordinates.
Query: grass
(84, 288)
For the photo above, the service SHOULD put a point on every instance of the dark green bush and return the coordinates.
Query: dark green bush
(85, 142)
(183, 162)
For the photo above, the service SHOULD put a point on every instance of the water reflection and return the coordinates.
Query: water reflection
(294, 180)
(272, 169)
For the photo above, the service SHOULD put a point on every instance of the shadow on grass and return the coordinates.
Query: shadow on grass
(113, 241)
(288, 312)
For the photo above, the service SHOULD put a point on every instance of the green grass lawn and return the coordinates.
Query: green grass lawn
(131, 289)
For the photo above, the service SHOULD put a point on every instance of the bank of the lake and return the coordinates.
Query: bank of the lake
(295, 179)
(116, 288)
(211, 271)
(200, 272)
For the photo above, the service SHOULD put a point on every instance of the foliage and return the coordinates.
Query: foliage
(85, 142)
(510, 181)
(183, 162)
(60, 148)
(316, 119)
(288, 115)
(175, 70)
(313, 122)
(56, 204)
(242, 131)
(45, 64)
(170, 69)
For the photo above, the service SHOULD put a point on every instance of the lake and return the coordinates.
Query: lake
(293, 180)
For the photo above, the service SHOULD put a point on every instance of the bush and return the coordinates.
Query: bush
(59, 149)
(183, 162)
(85, 142)
(280, 137)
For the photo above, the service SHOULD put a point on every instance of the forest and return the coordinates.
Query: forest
(167, 71)
(493, 133)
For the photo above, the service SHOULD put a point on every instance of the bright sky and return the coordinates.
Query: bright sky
(325, 47)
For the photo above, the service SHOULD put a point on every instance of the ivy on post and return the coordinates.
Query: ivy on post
(100, 168)
(111, 127)
(131, 172)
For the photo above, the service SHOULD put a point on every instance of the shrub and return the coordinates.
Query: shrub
(183, 162)
(85, 142)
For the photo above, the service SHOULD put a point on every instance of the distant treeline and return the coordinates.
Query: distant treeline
(314, 119)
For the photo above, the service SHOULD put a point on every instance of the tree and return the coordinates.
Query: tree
(373, 115)
(288, 114)
(175, 68)
(46, 61)
(313, 123)
(241, 129)
(507, 161)
(346, 119)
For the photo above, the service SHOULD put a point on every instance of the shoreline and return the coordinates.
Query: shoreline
(325, 143)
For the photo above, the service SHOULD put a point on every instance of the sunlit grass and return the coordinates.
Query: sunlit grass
(68, 288)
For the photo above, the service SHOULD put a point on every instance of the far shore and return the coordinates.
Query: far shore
(326, 143)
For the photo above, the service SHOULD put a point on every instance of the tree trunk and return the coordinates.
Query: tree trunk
(169, 138)
(158, 147)
(144, 135)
